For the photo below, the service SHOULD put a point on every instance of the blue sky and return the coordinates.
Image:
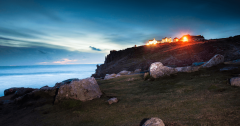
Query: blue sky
(44, 32)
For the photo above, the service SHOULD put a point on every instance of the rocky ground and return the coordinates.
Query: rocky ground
(203, 97)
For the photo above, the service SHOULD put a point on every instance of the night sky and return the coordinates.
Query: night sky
(46, 32)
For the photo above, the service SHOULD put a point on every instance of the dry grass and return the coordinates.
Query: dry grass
(200, 98)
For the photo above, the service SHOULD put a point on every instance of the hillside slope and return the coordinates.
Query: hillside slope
(170, 54)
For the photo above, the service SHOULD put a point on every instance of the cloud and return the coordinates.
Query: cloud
(66, 61)
(43, 63)
(96, 49)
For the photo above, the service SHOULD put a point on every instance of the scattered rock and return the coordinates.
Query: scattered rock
(188, 69)
(158, 70)
(83, 90)
(118, 75)
(217, 59)
(137, 71)
(146, 76)
(124, 72)
(235, 81)
(109, 76)
(112, 100)
(154, 121)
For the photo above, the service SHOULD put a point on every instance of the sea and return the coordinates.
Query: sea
(37, 76)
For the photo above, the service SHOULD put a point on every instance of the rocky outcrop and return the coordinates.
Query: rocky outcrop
(158, 70)
(169, 54)
(154, 121)
(235, 81)
(217, 59)
(83, 90)
(112, 100)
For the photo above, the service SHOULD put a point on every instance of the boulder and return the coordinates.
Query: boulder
(154, 121)
(83, 90)
(124, 72)
(137, 71)
(109, 76)
(235, 81)
(112, 100)
(217, 59)
(158, 70)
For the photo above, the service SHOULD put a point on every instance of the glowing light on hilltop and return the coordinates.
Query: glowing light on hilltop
(152, 42)
(185, 39)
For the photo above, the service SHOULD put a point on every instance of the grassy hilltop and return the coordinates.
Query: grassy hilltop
(200, 98)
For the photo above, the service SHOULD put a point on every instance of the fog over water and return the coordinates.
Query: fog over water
(41, 75)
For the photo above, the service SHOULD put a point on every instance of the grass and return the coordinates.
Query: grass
(200, 98)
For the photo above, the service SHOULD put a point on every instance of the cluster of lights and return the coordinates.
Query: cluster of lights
(152, 42)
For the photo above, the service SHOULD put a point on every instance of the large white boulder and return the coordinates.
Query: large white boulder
(235, 81)
(158, 70)
(217, 59)
(83, 90)
(154, 121)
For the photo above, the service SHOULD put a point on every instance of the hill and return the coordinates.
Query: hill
(174, 54)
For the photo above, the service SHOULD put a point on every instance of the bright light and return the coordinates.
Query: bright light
(152, 42)
(185, 39)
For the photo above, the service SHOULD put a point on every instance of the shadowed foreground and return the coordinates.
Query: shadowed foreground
(204, 97)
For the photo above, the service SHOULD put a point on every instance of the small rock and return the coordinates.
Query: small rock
(137, 71)
(235, 81)
(217, 59)
(146, 76)
(112, 100)
(154, 121)
(124, 72)
(109, 76)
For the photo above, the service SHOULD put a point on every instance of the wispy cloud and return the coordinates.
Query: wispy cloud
(43, 63)
(96, 49)
(66, 61)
